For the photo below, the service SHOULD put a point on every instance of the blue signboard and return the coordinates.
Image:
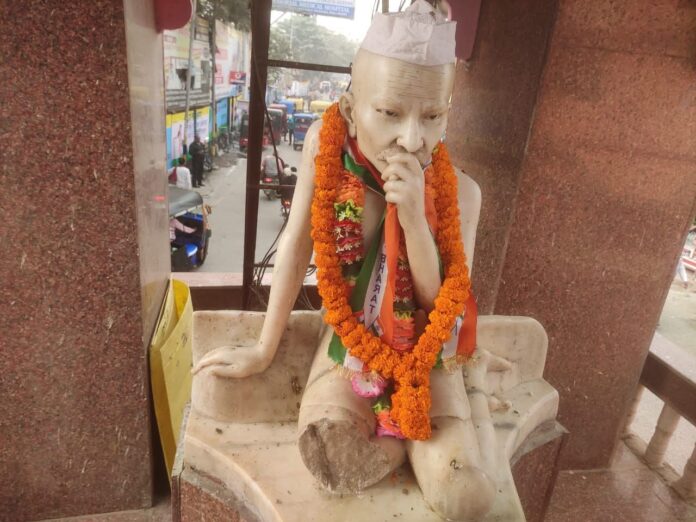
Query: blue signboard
(221, 113)
(338, 8)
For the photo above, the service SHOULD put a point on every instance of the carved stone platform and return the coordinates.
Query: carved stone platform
(240, 444)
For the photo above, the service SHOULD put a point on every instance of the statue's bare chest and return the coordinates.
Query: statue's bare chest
(372, 215)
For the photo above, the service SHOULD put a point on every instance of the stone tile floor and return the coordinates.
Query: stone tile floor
(161, 512)
(628, 491)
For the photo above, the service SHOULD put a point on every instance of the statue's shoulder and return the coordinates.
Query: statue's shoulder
(469, 190)
(311, 144)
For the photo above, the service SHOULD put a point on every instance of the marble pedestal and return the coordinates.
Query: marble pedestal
(240, 449)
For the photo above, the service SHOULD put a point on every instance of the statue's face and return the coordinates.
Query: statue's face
(395, 106)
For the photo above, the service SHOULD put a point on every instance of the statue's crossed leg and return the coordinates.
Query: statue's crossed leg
(338, 445)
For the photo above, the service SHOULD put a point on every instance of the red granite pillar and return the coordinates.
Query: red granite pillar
(85, 254)
(605, 193)
(489, 122)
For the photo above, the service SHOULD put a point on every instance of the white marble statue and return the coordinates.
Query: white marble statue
(395, 114)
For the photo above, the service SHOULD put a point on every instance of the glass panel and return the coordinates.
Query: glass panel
(304, 95)
(327, 40)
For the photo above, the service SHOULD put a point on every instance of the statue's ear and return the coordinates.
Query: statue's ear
(346, 104)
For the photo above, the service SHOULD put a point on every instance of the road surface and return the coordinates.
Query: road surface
(225, 193)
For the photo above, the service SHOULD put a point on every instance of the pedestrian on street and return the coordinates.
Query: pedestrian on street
(180, 175)
(197, 151)
(291, 128)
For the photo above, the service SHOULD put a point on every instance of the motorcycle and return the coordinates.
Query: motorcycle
(270, 192)
(285, 205)
(269, 175)
(287, 191)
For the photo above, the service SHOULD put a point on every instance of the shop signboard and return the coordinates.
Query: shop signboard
(337, 8)
(221, 113)
(238, 77)
(203, 122)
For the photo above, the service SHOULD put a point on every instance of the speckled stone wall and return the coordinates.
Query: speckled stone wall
(79, 297)
(606, 190)
(492, 107)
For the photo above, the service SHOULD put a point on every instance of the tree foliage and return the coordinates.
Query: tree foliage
(237, 12)
(299, 38)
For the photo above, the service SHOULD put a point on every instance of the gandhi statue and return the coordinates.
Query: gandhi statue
(395, 114)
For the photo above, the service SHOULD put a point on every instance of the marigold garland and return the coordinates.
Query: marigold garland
(410, 370)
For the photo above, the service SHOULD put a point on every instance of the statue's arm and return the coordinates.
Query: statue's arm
(292, 259)
(294, 251)
(469, 195)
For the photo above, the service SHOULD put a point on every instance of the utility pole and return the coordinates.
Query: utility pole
(192, 34)
(213, 50)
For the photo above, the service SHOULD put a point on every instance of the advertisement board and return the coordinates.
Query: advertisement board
(175, 134)
(203, 123)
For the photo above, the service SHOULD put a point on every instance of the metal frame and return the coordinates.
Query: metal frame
(260, 38)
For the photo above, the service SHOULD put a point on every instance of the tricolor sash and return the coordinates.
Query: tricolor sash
(372, 298)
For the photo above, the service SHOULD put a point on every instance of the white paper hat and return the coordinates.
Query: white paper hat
(419, 35)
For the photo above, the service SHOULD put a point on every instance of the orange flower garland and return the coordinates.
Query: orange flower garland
(410, 370)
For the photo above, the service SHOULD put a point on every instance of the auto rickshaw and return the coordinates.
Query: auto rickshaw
(244, 133)
(299, 103)
(188, 250)
(284, 118)
(276, 116)
(319, 106)
(302, 122)
(289, 105)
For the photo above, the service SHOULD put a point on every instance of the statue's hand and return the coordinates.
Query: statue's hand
(404, 185)
(233, 362)
(483, 363)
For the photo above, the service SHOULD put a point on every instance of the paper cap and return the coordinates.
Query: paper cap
(418, 35)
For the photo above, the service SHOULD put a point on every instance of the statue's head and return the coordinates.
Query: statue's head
(402, 80)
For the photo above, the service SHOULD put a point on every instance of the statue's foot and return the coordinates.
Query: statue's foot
(344, 459)
(449, 471)
(465, 494)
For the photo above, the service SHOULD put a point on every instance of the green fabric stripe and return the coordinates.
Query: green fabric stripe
(361, 172)
(337, 352)
(357, 298)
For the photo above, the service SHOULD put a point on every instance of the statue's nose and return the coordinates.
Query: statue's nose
(411, 135)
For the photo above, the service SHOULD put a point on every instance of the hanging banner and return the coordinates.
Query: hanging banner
(337, 8)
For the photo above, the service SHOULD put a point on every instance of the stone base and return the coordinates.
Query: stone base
(203, 499)
(535, 469)
(254, 472)
(240, 453)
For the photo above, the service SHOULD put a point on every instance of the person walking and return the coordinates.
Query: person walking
(180, 175)
(197, 152)
(291, 129)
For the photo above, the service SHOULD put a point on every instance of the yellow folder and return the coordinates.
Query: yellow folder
(170, 366)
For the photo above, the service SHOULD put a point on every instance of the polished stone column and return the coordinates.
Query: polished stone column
(492, 107)
(86, 256)
(598, 196)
